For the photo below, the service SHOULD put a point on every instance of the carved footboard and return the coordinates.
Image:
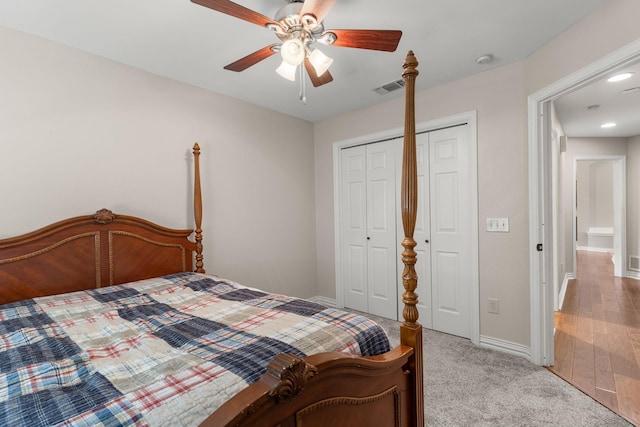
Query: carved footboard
(323, 390)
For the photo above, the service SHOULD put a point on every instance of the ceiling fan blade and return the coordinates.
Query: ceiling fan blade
(251, 59)
(315, 79)
(385, 40)
(237, 11)
(318, 8)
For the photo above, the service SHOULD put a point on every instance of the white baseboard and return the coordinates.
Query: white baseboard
(563, 288)
(633, 275)
(594, 249)
(326, 301)
(505, 346)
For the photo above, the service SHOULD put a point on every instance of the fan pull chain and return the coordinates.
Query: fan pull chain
(303, 87)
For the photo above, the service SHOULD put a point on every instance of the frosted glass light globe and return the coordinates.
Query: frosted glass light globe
(292, 51)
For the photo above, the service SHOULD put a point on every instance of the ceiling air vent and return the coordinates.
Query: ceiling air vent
(389, 87)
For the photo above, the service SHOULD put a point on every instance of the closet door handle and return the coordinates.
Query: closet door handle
(426, 241)
(368, 238)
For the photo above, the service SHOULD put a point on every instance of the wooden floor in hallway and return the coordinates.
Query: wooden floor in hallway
(597, 338)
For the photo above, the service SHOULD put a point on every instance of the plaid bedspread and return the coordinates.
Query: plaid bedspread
(160, 352)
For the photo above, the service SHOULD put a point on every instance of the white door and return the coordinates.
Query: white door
(371, 229)
(368, 205)
(443, 231)
(354, 227)
(450, 224)
(381, 229)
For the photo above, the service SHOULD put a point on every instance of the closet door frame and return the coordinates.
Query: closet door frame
(469, 118)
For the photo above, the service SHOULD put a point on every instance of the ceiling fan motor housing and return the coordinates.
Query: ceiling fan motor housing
(288, 11)
(306, 27)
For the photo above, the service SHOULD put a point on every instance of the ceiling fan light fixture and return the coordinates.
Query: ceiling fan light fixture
(320, 61)
(287, 71)
(293, 51)
(299, 25)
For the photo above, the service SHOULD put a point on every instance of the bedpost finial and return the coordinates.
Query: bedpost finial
(196, 148)
(410, 65)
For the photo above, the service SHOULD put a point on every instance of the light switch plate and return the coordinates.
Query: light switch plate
(498, 225)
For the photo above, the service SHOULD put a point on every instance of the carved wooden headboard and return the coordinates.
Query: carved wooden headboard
(97, 250)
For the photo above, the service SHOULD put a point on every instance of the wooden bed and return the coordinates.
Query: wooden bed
(106, 249)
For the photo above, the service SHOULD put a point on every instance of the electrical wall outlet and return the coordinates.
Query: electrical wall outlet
(494, 306)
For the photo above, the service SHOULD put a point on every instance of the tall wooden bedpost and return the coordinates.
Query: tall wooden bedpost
(411, 330)
(197, 208)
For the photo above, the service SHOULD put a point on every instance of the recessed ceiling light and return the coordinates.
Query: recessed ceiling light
(619, 77)
(608, 125)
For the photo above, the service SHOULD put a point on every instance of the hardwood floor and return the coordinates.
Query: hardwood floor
(597, 339)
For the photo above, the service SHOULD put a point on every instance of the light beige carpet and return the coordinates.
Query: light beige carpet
(466, 385)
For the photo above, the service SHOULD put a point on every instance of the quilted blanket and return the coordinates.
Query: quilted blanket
(159, 352)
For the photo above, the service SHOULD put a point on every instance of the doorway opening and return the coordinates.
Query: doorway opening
(541, 213)
(599, 220)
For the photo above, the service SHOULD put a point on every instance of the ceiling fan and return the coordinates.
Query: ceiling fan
(299, 26)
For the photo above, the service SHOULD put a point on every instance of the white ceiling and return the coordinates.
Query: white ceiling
(612, 103)
(190, 43)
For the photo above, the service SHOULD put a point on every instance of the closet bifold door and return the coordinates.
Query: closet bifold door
(353, 205)
(369, 240)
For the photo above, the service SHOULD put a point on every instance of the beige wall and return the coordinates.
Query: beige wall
(633, 196)
(500, 98)
(497, 97)
(594, 197)
(80, 133)
(604, 31)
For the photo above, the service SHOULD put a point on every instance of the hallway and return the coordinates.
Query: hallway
(597, 338)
